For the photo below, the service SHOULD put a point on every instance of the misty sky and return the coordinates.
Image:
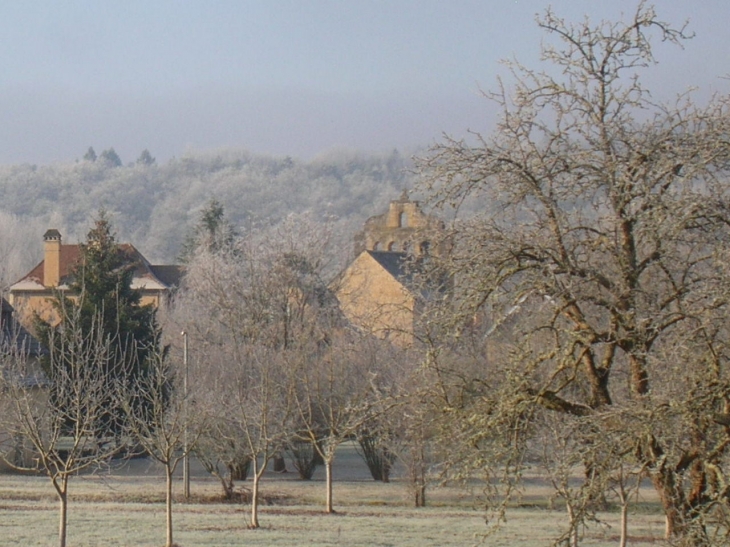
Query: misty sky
(285, 76)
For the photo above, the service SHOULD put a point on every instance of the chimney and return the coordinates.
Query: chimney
(51, 258)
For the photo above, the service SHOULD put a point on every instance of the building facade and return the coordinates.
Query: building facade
(34, 292)
(403, 228)
(376, 291)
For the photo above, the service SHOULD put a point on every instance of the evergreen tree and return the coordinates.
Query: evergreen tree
(111, 158)
(101, 297)
(213, 232)
(145, 158)
(90, 154)
(103, 279)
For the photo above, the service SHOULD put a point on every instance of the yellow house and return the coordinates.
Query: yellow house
(375, 291)
(33, 293)
(374, 296)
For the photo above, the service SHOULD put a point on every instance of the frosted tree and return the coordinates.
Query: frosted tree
(599, 253)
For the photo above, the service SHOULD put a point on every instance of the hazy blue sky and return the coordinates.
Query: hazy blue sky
(284, 76)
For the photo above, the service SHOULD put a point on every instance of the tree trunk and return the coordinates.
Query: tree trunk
(573, 526)
(255, 495)
(328, 474)
(228, 488)
(168, 505)
(422, 494)
(624, 523)
(418, 477)
(664, 486)
(63, 512)
(680, 523)
(639, 376)
(623, 497)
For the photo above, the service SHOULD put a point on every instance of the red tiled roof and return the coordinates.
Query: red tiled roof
(69, 258)
(71, 254)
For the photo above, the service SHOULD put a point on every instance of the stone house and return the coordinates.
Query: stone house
(33, 293)
(403, 228)
(376, 291)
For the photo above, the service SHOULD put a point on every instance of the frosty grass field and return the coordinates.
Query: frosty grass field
(125, 507)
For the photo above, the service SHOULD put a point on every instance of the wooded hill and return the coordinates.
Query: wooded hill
(155, 205)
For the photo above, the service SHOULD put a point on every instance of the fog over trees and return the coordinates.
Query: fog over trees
(573, 331)
(155, 206)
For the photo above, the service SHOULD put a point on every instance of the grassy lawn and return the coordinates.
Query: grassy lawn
(125, 507)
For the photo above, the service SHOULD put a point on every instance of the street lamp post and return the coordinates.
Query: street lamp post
(186, 448)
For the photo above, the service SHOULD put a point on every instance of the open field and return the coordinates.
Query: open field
(125, 507)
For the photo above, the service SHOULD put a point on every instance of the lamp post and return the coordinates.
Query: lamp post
(186, 450)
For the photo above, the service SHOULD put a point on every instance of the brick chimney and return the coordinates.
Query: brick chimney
(51, 258)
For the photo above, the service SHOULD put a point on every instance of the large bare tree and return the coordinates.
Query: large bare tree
(597, 274)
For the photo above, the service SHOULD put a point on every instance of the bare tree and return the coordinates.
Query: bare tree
(160, 421)
(600, 254)
(412, 444)
(222, 452)
(335, 391)
(255, 302)
(304, 456)
(561, 451)
(402, 429)
(19, 246)
(259, 403)
(374, 449)
(241, 393)
(65, 419)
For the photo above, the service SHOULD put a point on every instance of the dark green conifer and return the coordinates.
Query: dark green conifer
(101, 297)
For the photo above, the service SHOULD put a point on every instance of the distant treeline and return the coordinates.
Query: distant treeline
(155, 205)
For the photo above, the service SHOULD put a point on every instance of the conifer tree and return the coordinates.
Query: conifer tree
(145, 158)
(90, 154)
(100, 296)
(111, 158)
(213, 232)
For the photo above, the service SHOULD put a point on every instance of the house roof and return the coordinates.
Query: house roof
(405, 268)
(69, 257)
(146, 276)
(169, 274)
(396, 264)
